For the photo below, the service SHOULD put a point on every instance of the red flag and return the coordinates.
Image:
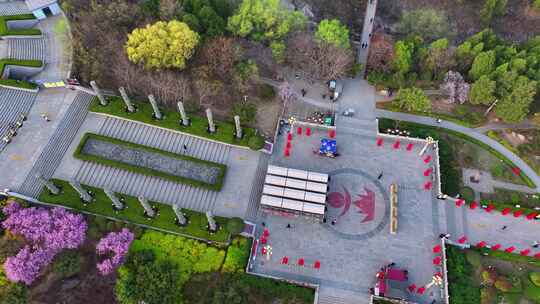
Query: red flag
(317, 264)
(518, 213)
(462, 240)
(531, 215)
(437, 260)
(427, 185)
(427, 172)
(437, 249)
(525, 252)
(506, 211)
(285, 260)
(409, 146)
(490, 207)
(516, 170)
(459, 202)
(510, 249)
(299, 131)
(427, 159)
(473, 205)
(287, 152)
(421, 290)
(289, 136)
(301, 261)
(308, 131)
(396, 144)
(496, 247)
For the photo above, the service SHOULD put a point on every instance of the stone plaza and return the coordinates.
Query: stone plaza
(358, 242)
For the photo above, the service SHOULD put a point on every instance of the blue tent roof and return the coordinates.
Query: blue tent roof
(328, 146)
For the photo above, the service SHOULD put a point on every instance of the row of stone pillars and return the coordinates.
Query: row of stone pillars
(119, 203)
(157, 113)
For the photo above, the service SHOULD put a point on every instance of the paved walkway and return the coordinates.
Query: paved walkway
(503, 126)
(371, 9)
(525, 168)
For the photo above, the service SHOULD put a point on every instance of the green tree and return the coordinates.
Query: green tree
(403, 55)
(144, 278)
(246, 110)
(278, 51)
(162, 45)
(235, 226)
(212, 24)
(483, 64)
(413, 99)
(438, 59)
(333, 32)
(482, 91)
(514, 107)
(264, 20)
(536, 4)
(492, 8)
(430, 24)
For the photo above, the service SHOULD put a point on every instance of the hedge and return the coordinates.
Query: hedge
(134, 212)
(25, 63)
(171, 120)
(5, 31)
(147, 171)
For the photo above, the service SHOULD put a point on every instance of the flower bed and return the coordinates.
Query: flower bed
(171, 120)
(129, 156)
(134, 213)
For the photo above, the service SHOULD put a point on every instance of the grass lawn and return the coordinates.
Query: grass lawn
(134, 212)
(171, 120)
(5, 31)
(147, 171)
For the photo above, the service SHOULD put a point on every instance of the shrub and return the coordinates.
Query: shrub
(474, 258)
(67, 263)
(487, 295)
(503, 284)
(116, 243)
(246, 110)
(235, 226)
(267, 91)
(237, 255)
(256, 142)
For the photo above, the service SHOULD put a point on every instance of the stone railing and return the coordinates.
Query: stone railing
(393, 208)
(446, 295)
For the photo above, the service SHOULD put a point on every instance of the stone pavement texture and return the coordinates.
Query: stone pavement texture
(232, 200)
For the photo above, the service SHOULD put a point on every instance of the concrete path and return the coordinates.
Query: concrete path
(502, 126)
(525, 168)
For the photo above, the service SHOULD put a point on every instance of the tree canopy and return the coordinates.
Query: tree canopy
(162, 45)
(413, 99)
(145, 278)
(264, 20)
(482, 91)
(483, 64)
(514, 107)
(333, 32)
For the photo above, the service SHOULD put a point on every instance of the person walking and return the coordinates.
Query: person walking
(185, 148)
(289, 225)
(504, 227)
(535, 244)
(380, 176)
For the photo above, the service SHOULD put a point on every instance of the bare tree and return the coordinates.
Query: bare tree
(318, 60)
(168, 9)
(221, 54)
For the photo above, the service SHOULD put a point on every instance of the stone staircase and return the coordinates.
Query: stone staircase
(256, 187)
(27, 49)
(12, 104)
(155, 189)
(13, 8)
(333, 295)
(52, 153)
(356, 126)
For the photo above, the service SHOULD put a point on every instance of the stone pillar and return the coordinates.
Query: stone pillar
(238, 127)
(149, 210)
(153, 102)
(85, 196)
(116, 202)
(50, 185)
(212, 226)
(182, 221)
(185, 121)
(211, 125)
(100, 96)
(126, 99)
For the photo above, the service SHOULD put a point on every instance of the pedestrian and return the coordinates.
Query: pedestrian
(185, 148)
(535, 244)
(380, 176)
(289, 225)
(333, 222)
(263, 224)
(369, 34)
(303, 92)
(504, 227)
(371, 20)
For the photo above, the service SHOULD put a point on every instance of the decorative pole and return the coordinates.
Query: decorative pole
(157, 113)
(100, 96)
(429, 141)
(211, 126)
(185, 120)
(238, 127)
(126, 99)
(212, 226)
(85, 196)
(116, 202)
(50, 185)
(147, 208)
(182, 221)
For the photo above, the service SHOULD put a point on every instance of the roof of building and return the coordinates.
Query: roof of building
(37, 4)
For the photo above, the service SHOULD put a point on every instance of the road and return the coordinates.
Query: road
(525, 168)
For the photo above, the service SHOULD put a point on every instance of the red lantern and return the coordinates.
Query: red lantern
(427, 172)
(473, 205)
(459, 202)
(506, 211)
(409, 146)
(496, 247)
(462, 240)
(301, 261)
(289, 136)
(427, 159)
(531, 215)
(299, 131)
(518, 213)
(437, 249)
(481, 244)
(510, 249)
(525, 252)
(379, 142)
(396, 144)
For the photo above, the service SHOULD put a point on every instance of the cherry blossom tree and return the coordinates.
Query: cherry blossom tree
(116, 243)
(48, 231)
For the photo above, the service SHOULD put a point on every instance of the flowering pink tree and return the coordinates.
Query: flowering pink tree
(48, 231)
(116, 243)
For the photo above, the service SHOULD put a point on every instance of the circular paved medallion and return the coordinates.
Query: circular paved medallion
(358, 203)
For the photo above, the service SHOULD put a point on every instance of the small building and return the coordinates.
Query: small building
(43, 8)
